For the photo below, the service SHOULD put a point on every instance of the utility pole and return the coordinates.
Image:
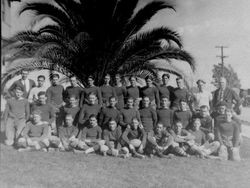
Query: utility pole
(222, 56)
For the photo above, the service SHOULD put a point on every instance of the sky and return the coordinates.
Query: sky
(202, 24)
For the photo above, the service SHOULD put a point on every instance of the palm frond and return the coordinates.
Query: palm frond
(48, 10)
(144, 15)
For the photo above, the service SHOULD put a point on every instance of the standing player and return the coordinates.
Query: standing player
(120, 91)
(33, 95)
(24, 83)
(16, 114)
(133, 91)
(151, 92)
(90, 88)
(107, 90)
(55, 97)
(74, 89)
(165, 90)
(180, 93)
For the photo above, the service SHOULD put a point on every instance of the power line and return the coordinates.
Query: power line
(222, 56)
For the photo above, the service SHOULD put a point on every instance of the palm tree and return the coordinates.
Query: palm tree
(95, 37)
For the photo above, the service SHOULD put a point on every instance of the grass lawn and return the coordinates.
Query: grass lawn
(55, 169)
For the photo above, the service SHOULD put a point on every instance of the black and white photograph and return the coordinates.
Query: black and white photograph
(125, 93)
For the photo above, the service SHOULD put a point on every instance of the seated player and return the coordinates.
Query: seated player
(109, 112)
(48, 113)
(91, 136)
(128, 113)
(228, 134)
(35, 134)
(67, 140)
(160, 141)
(135, 139)
(183, 114)
(182, 140)
(164, 114)
(71, 108)
(112, 137)
(201, 146)
(91, 107)
(16, 114)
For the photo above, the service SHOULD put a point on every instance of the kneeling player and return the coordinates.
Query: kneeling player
(34, 135)
(135, 138)
(159, 141)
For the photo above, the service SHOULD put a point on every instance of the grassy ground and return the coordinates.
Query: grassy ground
(39, 169)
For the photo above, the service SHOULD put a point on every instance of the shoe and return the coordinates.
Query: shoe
(78, 151)
(24, 149)
(44, 150)
(137, 155)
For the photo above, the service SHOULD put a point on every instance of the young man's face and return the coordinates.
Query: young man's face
(222, 83)
(130, 103)
(180, 83)
(133, 81)
(69, 121)
(72, 101)
(112, 125)
(117, 79)
(164, 102)
(36, 118)
(55, 80)
(196, 124)
(135, 124)
(221, 109)
(93, 122)
(145, 102)
(92, 99)
(40, 81)
(112, 102)
(42, 99)
(18, 93)
(90, 82)
(73, 81)
(25, 75)
(183, 105)
(159, 128)
(178, 127)
(106, 79)
(149, 82)
(165, 80)
(201, 86)
(203, 112)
